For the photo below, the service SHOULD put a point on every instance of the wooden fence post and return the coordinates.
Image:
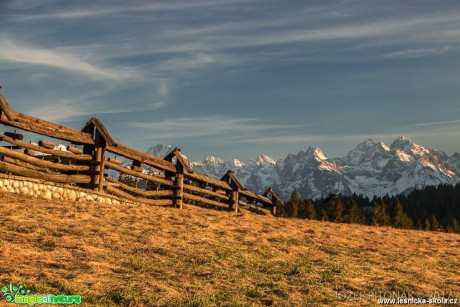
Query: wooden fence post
(99, 158)
(179, 191)
(234, 200)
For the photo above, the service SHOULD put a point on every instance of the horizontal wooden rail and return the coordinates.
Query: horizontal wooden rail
(23, 164)
(128, 171)
(43, 163)
(251, 207)
(63, 178)
(204, 191)
(63, 154)
(142, 157)
(142, 192)
(122, 194)
(206, 179)
(258, 197)
(205, 200)
(43, 127)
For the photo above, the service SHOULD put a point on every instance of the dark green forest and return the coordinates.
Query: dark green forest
(433, 208)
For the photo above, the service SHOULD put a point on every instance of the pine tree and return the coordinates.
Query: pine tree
(427, 224)
(435, 226)
(323, 215)
(334, 208)
(352, 214)
(310, 211)
(418, 224)
(399, 218)
(379, 216)
(292, 207)
(455, 226)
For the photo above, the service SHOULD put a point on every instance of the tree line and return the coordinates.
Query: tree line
(432, 208)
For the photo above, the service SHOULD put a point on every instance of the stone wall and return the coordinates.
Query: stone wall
(51, 190)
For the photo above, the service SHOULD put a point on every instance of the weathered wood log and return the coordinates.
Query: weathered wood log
(35, 161)
(137, 190)
(204, 200)
(128, 171)
(14, 135)
(179, 192)
(156, 202)
(204, 191)
(30, 152)
(101, 170)
(114, 160)
(22, 163)
(75, 150)
(261, 198)
(234, 201)
(5, 108)
(46, 144)
(23, 171)
(32, 124)
(211, 181)
(142, 157)
(39, 149)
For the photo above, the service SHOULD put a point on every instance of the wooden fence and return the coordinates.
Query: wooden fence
(92, 160)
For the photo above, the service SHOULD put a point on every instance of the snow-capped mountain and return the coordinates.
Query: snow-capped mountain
(372, 168)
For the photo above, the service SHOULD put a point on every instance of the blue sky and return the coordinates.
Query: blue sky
(235, 78)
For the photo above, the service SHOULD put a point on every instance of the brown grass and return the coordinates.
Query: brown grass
(147, 256)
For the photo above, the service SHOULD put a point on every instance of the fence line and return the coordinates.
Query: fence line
(171, 181)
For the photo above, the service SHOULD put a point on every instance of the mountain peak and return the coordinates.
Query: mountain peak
(213, 160)
(316, 153)
(160, 150)
(401, 143)
(264, 159)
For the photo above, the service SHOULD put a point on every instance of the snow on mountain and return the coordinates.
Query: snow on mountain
(372, 168)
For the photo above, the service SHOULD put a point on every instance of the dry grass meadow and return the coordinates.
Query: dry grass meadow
(136, 255)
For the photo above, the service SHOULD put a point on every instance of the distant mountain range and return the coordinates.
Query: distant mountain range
(372, 168)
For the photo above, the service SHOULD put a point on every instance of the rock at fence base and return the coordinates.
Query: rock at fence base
(89, 198)
(1, 183)
(6, 182)
(81, 199)
(35, 187)
(72, 195)
(60, 191)
(46, 194)
(31, 193)
(56, 195)
(24, 190)
(15, 184)
(53, 188)
(108, 201)
(115, 202)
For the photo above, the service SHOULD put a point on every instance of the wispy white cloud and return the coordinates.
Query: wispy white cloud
(436, 123)
(209, 126)
(59, 111)
(423, 52)
(131, 8)
(17, 52)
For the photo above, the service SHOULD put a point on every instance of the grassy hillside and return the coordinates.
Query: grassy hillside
(144, 256)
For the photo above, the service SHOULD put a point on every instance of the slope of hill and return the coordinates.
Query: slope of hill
(371, 169)
(149, 256)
